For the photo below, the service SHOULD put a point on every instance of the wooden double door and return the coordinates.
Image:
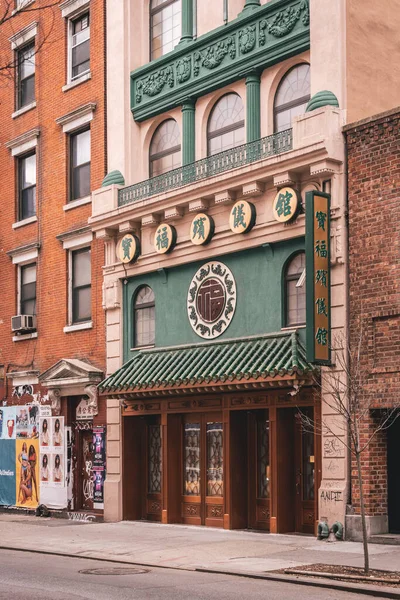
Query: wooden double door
(202, 468)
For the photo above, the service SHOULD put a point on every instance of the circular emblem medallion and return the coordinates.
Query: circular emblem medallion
(128, 248)
(242, 217)
(286, 205)
(164, 238)
(201, 229)
(211, 300)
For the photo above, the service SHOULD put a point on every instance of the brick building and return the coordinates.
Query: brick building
(374, 267)
(52, 154)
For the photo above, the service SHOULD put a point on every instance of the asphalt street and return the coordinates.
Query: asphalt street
(31, 576)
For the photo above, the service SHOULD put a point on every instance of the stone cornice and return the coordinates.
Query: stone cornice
(256, 39)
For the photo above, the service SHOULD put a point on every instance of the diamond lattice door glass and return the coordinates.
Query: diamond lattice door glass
(263, 458)
(154, 462)
(215, 485)
(192, 459)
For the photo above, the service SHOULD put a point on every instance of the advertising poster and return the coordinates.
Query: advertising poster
(33, 424)
(27, 472)
(99, 466)
(7, 472)
(8, 416)
(45, 433)
(52, 462)
(22, 422)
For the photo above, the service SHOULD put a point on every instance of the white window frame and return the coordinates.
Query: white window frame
(72, 81)
(19, 282)
(71, 243)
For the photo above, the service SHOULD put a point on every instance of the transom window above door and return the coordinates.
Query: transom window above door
(226, 124)
(165, 26)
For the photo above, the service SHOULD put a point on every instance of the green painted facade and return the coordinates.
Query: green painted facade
(253, 107)
(259, 37)
(258, 276)
(188, 132)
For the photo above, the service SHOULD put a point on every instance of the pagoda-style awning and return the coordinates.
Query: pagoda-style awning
(263, 361)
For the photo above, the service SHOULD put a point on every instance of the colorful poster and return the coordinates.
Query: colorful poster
(8, 422)
(58, 433)
(27, 472)
(7, 472)
(57, 470)
(22, 422)
(33, 423)
(99, 465)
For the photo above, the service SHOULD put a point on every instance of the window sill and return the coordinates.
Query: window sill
(76, 82)
(23, 110)
(76, 203)
(78, 327)
(24, 222)
(26, 336)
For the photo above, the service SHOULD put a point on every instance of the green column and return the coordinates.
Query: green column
(187, 21)
(188, 131)
(251, 5)
(253, 107)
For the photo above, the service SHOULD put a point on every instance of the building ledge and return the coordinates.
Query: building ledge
(23, 110)
(24, 222)
(76, 203)
(25, 336)
(78, 327)
(76, 82)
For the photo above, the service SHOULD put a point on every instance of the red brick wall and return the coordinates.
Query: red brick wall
(374, 259)
(52, 192)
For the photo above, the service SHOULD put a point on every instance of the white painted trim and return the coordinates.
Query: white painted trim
(24, 377)
(70, 8)
(26, 257)
(77, 81)
(24, 222)
(23, 110)
(24, 142)
(78, 241)
(78, 327)
(26, 336)
(76, 203)
(25, 35)
(77, 118)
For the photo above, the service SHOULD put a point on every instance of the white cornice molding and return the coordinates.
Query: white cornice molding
(23, 142)
(77, 117)
(24, 35)
(72, 7)
(24, 254)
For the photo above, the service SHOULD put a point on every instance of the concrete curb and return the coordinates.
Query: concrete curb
(367, 590)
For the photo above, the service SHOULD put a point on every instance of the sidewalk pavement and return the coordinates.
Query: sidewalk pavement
(186, 547)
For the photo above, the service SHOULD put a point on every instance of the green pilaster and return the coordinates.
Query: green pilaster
(253, 106)
(251, 5)
(188, 131)
(187, 21)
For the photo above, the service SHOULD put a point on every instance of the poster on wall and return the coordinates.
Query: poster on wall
(52, 462)
(27, 472)
(7, 472)
(99, 466)
(8, 416)
(27, 422)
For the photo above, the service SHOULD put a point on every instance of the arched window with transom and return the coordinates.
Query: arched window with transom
(292, 96)
(295, 291)
(144, 318)
(226, 124)
(165, 148)
(165, 26)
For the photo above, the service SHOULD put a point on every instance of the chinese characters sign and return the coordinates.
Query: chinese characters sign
(318, 277)
(242, 217)
(286, 205)
(128, 248)
(164, 238)
(201, 229)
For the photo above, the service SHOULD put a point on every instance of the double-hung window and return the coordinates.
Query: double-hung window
(80, 164)
(25, 76)
(80, 46)
(81, 279)
(26, 186)
(27, 303)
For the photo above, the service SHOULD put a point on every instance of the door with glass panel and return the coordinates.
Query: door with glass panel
(259, 458)
(202, 469)
(304, 472)
(152, 510)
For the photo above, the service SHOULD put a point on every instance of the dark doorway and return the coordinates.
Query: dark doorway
(393, 454)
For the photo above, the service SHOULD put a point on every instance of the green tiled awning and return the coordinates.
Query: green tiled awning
(261, 358)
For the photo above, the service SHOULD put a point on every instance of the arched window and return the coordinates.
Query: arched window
(292, 96)
(144, 309)
(165, 26)
(165, 148)
(295, 291)
(226, 124)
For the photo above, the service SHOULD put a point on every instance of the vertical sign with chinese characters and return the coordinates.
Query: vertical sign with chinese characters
(318, 278)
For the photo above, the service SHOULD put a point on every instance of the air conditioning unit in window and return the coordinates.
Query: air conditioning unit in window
(23, 323)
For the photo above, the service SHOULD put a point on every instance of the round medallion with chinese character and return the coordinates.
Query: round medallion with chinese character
(211, 300)
(286, 205)
(164, 238)
(201, 229)
(128, 248)
(242, 217)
